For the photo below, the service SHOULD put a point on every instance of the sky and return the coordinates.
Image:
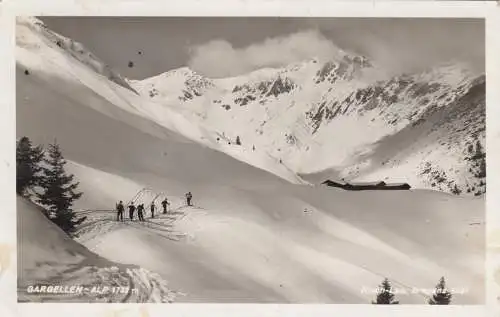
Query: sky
(229, 46)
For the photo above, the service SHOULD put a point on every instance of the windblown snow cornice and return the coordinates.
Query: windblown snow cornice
(75, 49)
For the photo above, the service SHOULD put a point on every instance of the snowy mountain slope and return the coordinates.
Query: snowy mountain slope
(32, 26)
(47, 256)
(252, 236)
(41, 56)
(443, 149)
(323, 118)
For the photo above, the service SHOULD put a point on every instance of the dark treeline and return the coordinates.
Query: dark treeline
(42, 178)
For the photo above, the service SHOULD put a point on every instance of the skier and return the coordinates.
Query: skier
(140, 212)
(143, 212)
(189, 196)
(119, 210)
(153, 209)
(131, 209)
(165, 203)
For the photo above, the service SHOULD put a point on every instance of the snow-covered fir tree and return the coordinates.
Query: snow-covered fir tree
(385, 295)
(59, 190)
(441, 296)
(28, 159)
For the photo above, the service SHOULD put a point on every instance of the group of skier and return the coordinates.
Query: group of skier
(120, 208)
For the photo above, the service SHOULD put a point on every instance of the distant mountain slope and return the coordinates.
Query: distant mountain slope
(330, 119)
(42, 61)
(443, 149)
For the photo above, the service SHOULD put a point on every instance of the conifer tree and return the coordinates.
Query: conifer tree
(479, 151)
(28, 159)
(442, 295)
(385, 296)
(59, 190)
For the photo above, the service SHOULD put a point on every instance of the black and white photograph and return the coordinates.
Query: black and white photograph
(285, 160)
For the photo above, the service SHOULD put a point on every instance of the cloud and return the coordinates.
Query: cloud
(218, 58)
(398, 52)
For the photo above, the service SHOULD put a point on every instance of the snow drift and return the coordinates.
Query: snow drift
(49, 257)
(252, 236)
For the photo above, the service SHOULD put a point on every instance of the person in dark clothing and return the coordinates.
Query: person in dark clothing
(153, 209)
(131, 209)
(165, 203)
(119, 211)
(140, 212)
(189, 197)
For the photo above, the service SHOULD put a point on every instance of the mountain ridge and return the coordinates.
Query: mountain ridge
(307, 101)
(292, 114)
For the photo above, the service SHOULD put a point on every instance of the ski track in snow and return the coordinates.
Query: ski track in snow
(55, 259)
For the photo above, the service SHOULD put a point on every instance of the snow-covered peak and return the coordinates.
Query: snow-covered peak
(182, 72)
(186, 84)
(267, 72)
(178, 84)
(294, 112)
